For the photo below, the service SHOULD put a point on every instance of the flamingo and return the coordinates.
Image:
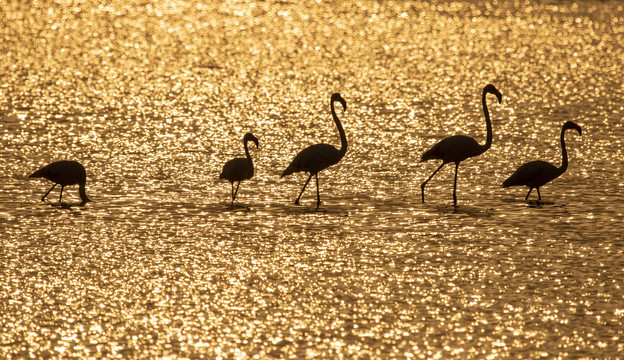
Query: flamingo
(537, 173)
(318, 157)
(64, 173)
(460, 147)
(239, 169)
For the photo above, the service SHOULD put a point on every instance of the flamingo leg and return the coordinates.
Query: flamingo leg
(46, 194)
(61, 196)
(455, 186)
(232, 194)
(422, 187)
(304, 186)
(236, 192)
(318, 195)
(529, 193)
(539, 197)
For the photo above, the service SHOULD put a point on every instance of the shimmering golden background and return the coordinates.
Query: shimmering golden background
(154, 96)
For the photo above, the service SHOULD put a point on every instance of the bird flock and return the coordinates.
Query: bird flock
(315, 158)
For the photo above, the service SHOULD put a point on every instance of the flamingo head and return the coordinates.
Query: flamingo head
(83, 194)
(250, 137)
(337, 97)
(489, 88)
(572, 125)
(85, 201)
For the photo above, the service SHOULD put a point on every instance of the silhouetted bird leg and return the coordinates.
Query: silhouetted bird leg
(318, 195)
(46, 194)
(455, 185)
(235, 192)
(61, 196)
(232, 194)
(529, 193)
(422, 187)
(304, 186)
(539, 197)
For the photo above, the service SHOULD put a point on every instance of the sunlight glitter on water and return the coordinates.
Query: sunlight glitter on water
(154, 97)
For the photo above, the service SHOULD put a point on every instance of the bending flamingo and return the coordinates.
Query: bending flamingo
(64, 173)
(537, 173)
(460, 147)
(319, 156)
(239, 169)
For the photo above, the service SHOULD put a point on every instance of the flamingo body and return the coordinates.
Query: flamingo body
(239, 169)
(318, 157)
(538, 173)
(532, 174)
(64, 173)
(313, 159)
(457, 148)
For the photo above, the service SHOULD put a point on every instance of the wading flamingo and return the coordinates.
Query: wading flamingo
(64, 173)
(537, 173)
(318, 157)
(239, 169)
(460, 147)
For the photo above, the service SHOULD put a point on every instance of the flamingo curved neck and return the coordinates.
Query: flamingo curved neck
(343, 137)
(488, 124)
(564, 153)
(247, 150)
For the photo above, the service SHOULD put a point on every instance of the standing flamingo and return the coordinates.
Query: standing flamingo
(64, 173)
(239, 169)
(537, 173)
(460, 147)
(318, 157)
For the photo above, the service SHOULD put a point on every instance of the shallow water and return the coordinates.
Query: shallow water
(153, 98)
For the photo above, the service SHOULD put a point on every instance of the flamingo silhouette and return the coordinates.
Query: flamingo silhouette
(64, 173)
(460, 147)
(537, 173)
(318, 157)
(239, 169)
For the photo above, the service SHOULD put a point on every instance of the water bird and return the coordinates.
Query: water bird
(460, 147)
(318, 157)
(64, 173)
(537, 173)
(239, 169)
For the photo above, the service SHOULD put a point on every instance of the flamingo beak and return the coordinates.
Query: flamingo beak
(572, 125)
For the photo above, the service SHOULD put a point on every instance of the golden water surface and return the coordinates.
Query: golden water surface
(153, 97)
